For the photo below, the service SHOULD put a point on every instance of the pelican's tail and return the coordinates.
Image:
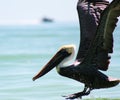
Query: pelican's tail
(111, 79)
(111, 82)
(104, 81)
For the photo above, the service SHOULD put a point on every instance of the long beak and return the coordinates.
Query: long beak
(59, 56)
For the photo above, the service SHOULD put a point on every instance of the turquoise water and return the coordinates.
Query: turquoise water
(25, 49)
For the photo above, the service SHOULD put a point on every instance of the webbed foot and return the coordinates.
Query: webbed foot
(76, 95)
(86, 91)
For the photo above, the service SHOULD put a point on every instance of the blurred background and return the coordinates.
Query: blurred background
(31, 12)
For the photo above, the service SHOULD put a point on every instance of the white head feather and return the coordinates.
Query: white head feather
(71, 49)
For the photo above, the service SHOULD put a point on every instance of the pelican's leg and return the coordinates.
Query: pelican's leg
(86, 91)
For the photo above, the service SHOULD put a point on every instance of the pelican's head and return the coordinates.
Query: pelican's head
(71, 50)
(64, 54)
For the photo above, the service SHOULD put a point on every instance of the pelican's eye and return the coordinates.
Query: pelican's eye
(65, 52)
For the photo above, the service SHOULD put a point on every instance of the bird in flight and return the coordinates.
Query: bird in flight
(86, 71)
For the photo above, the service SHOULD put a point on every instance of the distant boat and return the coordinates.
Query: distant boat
(45, 19)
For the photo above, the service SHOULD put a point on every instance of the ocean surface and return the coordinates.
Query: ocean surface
(25, 49)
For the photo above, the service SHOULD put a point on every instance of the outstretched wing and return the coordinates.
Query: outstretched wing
(89, 16)
(108, 23)
(103, 41)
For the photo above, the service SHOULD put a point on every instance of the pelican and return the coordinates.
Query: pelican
(85, 70)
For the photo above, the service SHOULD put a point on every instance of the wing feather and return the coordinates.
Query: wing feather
(108, 23)
(104, 32)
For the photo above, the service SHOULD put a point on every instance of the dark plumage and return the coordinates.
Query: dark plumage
(85, 69)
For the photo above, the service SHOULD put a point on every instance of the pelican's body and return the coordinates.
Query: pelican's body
(86, 70)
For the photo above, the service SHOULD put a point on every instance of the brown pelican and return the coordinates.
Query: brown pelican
(86, 70)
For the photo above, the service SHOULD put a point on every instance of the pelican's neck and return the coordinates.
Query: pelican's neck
(63, 64)
(66, 61)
